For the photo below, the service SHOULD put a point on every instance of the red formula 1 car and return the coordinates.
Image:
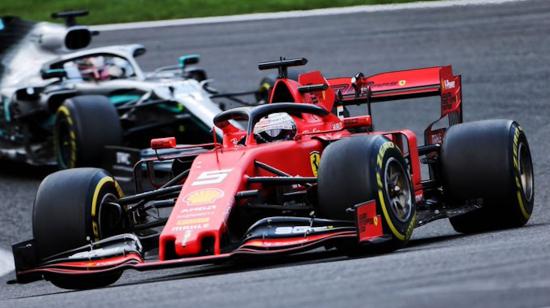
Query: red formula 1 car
(301, 174)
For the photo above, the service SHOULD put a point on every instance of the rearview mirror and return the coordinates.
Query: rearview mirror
(163, 143)
(139, 51)
(188, 60)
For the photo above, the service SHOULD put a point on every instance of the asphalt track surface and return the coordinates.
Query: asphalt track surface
(503, 53)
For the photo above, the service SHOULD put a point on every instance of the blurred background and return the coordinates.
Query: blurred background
(109, 11)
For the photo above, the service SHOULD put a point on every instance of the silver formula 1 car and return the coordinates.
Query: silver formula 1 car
(62, 104)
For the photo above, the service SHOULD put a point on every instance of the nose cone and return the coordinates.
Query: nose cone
(196, 223)
(199, 218)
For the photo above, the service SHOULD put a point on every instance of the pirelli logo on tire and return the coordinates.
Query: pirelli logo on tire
(380, 157)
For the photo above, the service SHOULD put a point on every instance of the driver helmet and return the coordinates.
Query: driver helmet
(99, 68)
(114, 68)
(91, 67)
(275, 127)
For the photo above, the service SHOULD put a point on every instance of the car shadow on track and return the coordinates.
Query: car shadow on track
(314, 257)
(245, 265)
(426, 242)
(432, 240)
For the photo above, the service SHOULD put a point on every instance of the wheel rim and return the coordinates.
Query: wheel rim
(64, 149)
(398, 190)
(525, 171)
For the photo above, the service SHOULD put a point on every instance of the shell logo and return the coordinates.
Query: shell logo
(203, 196)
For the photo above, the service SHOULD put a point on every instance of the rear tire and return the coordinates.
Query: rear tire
(84, 125)
(358, 169)
(489, 160)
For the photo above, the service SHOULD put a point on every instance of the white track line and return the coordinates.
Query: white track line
(298, 14)
(6, 262)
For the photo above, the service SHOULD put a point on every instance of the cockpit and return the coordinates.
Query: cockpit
(100, 67)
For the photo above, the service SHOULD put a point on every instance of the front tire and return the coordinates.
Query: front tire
(491, 161)
(72, 209)
(358, 169)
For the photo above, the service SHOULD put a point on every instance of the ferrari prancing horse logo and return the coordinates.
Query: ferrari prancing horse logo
(315, 160)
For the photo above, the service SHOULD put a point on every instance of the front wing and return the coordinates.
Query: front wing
(123, 252)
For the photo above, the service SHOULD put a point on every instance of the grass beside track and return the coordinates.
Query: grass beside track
(117, 11)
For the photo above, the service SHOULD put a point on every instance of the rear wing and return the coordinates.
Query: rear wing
(433, 81)
(423, 82)
(335, 93)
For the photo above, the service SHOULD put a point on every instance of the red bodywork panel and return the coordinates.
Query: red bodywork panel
(208, 195)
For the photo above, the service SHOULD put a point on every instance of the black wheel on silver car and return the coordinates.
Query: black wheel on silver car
(490, 163)
(65, 146)
(363, 168)
(84, 125)
(73, 208)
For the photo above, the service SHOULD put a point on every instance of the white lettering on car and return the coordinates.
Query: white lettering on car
(211, 177)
